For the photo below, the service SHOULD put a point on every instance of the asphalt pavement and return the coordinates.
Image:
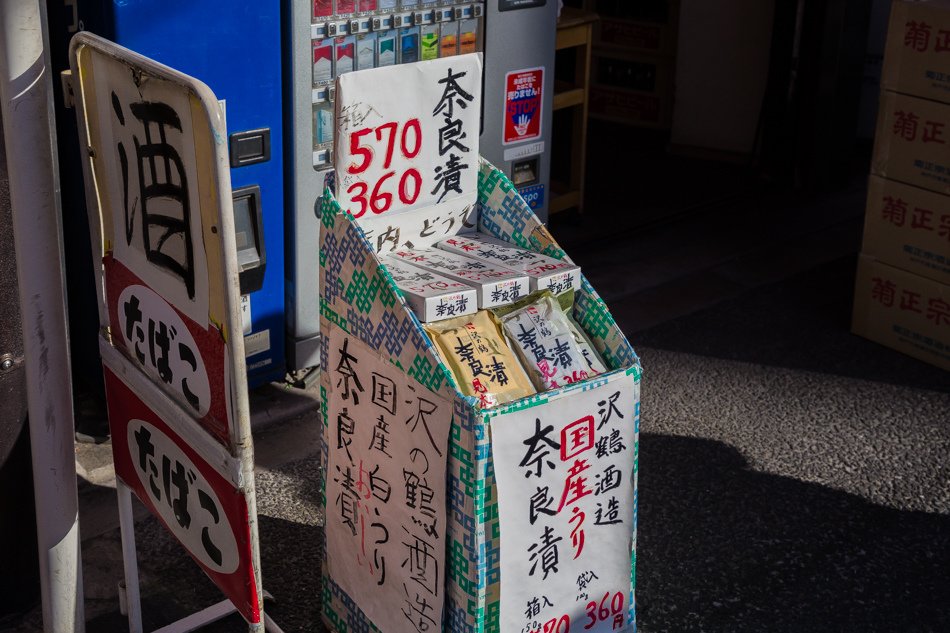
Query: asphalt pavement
(793, 476)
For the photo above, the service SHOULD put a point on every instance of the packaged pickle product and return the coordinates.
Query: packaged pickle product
(496, 285)
(432, 297)
(545, 272)
(593, 359)
(483, 365)
(554, 350)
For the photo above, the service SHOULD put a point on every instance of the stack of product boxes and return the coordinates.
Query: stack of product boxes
(634, 61)
(902, 293)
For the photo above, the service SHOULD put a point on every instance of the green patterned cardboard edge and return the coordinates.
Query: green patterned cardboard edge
(359, 295)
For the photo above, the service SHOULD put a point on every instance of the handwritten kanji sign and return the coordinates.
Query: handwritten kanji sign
(387, 440)
(162, 241)
(162, 226)
(414, 151)
(565, 476)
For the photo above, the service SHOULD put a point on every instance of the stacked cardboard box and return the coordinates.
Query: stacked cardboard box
(634, 60)
(902, 293)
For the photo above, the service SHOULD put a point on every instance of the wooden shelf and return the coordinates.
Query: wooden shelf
(574, 30)
(568, 98)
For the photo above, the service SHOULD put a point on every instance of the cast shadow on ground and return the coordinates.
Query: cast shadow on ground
(801, 323)
(174, 586)
(725, 548)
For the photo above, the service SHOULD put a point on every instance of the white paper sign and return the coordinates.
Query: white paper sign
(564, 472)
(153, 185)
(420, 228)
(407, 137)
(385, 525)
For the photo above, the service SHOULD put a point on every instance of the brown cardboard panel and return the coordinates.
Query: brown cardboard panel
(903, 311)
(636, 36)
(909, 228)
(631, 107)
(917, 56)
(912, 144)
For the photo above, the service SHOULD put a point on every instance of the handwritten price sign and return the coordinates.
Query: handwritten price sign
(364, 150)
(410, 152)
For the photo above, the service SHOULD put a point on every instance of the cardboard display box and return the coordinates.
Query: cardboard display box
(917, 56)
(909, 228)
(912, 143)
(636, 36)
(903, 311)
(476, 513)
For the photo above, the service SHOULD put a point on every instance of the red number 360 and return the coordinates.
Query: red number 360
(409, 182)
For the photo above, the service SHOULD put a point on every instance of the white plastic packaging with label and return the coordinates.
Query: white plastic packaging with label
(496, 286)
(431, 296)
(545, 272)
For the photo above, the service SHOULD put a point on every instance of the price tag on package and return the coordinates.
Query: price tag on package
(407, 137)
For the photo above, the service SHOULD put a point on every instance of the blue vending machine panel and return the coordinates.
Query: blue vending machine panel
(235, 48)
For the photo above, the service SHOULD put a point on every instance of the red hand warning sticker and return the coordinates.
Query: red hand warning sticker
(523, 90)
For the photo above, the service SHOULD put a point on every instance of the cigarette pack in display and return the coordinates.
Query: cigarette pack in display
(431, 296)
(322, 8)
(322, 124)
(496, 286)
(366, 51)
(345, 54)
(430, 42)
(449, 44)
(409, 45)
(345, 7)
(388, 5)
(386, 48)
(468, 36)
(322, 61)
(545, 272)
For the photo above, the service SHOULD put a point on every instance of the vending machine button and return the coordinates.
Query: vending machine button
(250, 147)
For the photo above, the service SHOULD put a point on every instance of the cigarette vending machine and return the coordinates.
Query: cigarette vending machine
(236, 49)
(519, 94)
(330, 38)
(273, 65)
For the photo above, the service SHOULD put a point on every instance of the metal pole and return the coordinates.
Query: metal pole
(27, 107)
(133, 596)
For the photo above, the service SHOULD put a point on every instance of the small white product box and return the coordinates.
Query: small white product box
(495, 285)
(545, 272)
(431, 296)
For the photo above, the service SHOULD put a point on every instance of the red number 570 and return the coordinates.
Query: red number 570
(410, 182)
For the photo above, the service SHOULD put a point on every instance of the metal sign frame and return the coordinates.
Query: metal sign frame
(188, 242)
